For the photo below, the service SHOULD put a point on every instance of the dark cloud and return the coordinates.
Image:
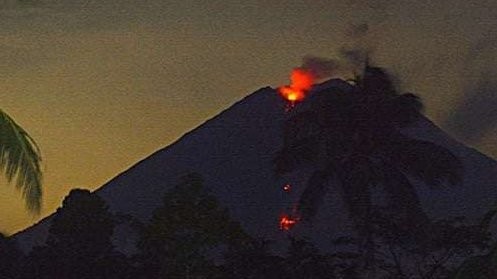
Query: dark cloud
(320, 67)
(357, 30)
(476, 114)
(352, 55)
(358, 47)
(356, 57)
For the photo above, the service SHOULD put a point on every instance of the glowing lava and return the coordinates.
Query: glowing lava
(301, 82)
(287, 222)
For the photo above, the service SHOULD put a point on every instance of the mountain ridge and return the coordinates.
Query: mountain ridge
(234, 151)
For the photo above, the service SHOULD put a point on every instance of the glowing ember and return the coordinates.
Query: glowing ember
(287, 187)
(287, 222)
(301, 83)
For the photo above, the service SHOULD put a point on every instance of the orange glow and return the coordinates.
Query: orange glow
(287, 187)
(301, 82)
(287, 222)
(291, 94)
(292, 97)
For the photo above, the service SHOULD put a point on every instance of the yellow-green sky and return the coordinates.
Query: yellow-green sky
(102, 85)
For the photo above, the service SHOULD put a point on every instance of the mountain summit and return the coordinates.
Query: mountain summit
(235, 152)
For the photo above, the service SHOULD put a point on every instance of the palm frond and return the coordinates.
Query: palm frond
(296, 154)
(400, 110)
(20, 160)
(356, 175)
(403, 201)
(377, 81)
(300, 126)
(313, 194)
(425, 160)
(334, 108)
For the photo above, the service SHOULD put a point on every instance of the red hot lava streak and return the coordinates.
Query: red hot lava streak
(287, 222)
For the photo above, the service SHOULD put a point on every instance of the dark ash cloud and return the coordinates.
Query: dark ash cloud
(476, 114)
(320, 67)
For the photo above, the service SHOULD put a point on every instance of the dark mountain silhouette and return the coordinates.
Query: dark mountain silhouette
(234, 152)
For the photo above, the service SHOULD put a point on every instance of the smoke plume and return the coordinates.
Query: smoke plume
(320, 67)
(353, 54)
(476, 115)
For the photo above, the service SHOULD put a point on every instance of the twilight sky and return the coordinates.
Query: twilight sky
(102, 84)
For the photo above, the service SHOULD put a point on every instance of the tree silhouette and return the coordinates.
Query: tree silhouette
(251, 259)
(354, 138)
(482, 266)
(184, 230)
(79, 242)
(304, 260)
(479, 267)
(20, 160)
(10, 258)
(437, 254)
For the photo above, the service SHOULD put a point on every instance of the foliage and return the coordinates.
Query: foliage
(184, 231)
(20, 159)
(83, 222)
(480, 266)
(79, 242)
(304, 260)
(252, 259)
(400, 252)
(10, 258)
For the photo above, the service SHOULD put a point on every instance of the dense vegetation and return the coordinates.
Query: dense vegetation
(192, 236)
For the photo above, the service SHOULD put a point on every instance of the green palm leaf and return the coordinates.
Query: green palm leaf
(356, 174)
(297, 154)
(313, 194)
(428, 161)
(403, 199)
(20, 161)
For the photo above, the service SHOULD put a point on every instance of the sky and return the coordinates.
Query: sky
(101, 85)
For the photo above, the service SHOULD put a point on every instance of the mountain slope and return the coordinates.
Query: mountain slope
(234, 153)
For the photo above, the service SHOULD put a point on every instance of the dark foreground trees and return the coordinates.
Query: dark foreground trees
(11, 258)
(397, 253)
(186, 234)
(192, 236)
(79, 242)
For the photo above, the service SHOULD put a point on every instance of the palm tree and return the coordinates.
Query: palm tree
(20, 160)
(354, 138)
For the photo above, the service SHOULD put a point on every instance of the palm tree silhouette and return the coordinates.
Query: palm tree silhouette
(354, 138)
(20, 160)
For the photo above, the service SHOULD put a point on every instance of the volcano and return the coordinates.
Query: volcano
(234, 152)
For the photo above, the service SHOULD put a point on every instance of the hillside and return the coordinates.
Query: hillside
(234, 152)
